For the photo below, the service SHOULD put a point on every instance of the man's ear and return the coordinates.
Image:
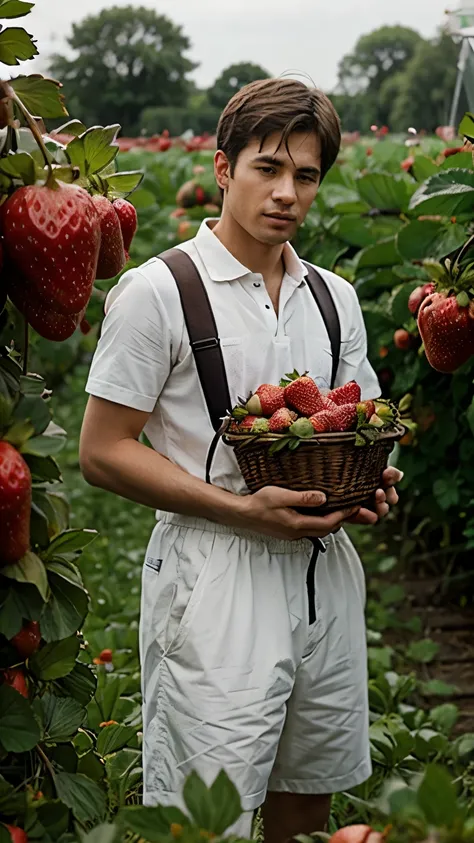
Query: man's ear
(221, 169)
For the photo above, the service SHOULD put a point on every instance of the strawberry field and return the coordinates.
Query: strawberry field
(392, 217)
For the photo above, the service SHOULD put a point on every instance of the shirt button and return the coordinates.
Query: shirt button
(267, 306)
(256, 283)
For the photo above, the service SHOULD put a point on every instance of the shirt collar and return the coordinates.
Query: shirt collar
(221, 265)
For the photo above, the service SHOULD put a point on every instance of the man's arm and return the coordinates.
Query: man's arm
(112, 458)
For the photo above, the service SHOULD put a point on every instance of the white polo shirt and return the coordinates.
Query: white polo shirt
(144, 359)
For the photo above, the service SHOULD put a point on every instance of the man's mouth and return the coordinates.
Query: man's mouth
(283, 217)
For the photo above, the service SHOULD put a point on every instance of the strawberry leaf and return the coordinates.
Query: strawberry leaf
(73, 127)
(30, 569)
(294, 444)
(279, 445)
(124, 183)
(14, 8)
(16, 45)
(99, 147)
(21, 166)
(41, 96)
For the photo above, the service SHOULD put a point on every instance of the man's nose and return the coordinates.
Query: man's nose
(284, 191)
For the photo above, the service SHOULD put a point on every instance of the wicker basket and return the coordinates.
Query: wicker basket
(330, 462)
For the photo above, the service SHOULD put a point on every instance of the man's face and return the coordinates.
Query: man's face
(271, 191)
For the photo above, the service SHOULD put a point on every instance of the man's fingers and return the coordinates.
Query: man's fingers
(310, 498)
(391, 476)
(365, 516)
(392, 496)
(323, 525)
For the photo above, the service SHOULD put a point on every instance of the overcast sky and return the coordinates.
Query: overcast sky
(308, 36)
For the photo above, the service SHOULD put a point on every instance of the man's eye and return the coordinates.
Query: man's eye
(268, 170)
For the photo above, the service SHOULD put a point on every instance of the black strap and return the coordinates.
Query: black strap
(325, 302)
(205, 342)
(203, 336)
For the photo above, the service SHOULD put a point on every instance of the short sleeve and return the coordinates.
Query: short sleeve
(354, 364)
(132, 360)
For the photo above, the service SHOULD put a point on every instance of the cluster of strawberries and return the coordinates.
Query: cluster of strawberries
(298, 407)
(56, 240)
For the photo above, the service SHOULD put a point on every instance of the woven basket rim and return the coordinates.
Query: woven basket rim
(317, 439)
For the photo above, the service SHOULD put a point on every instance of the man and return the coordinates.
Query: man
(236, 672)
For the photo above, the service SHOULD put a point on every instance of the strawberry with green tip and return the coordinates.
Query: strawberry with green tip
(347, 394)
(365, 409)
(302, 428)
(281, 420)
(266, 400)
(302, 394)
(418, 296)
(253, 424)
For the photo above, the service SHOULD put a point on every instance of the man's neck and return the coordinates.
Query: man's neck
(258, 257)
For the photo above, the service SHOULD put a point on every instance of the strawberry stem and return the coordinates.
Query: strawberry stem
(32, 125)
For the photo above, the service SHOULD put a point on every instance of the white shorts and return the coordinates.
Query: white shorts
(234, 675)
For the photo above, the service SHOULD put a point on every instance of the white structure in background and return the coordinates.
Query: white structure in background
(461, 27)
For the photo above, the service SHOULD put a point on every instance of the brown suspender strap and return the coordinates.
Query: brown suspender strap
(202, 331)
(204, 338)
(325, 302)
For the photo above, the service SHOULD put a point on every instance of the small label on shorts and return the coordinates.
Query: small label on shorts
(154, 563)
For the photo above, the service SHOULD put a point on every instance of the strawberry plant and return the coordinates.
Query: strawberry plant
(59, 232)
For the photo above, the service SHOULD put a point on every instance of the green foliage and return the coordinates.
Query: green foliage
(231, 80)
(127, 55)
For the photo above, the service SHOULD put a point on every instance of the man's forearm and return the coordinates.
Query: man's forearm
(140, 474)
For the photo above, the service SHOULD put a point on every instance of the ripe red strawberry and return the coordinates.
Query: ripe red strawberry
(347, 394)
(53, 236)
(128, 221)
(16, 679)
(15, 505)
(17, 834)
(418, 296)
(42, 318)
(303, 395)
(402, 339)
(106, 656)
(281, 420)
(328, 404)
(112, 257)
(344, 417)
(253, 424)
(27, 640)
(266, 400)
(447, 332)
(322, 421)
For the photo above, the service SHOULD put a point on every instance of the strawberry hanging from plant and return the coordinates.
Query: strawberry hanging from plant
(445, 315)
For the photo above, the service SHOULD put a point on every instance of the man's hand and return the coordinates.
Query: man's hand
(384, 498)
(272, 511)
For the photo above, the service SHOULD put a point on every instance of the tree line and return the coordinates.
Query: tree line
(130, 63)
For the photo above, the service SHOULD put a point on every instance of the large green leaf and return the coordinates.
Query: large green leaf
(448, 193)
(424, 167)
(65, 611)
(384, 253)
(103, 833)
(227, 807)
(113, 738)
(30, 569)
(84, 797)
(34, 409)
(42, 97)
(61, 717)
(437, 797)
(19, 730)
(69, 542)
(422, 239)
(15, 9)
(461, 159)
(152, 824)
(123, 183)
(385, 192)
(198, 800)
(399, 302)
(20, 165)
(43, 468)
(52, 441)
(55, 659)
(94, 150)
(16, 45)
(80, 684)
(21, 601)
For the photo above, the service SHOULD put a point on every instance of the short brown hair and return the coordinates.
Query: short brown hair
(284, 105)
